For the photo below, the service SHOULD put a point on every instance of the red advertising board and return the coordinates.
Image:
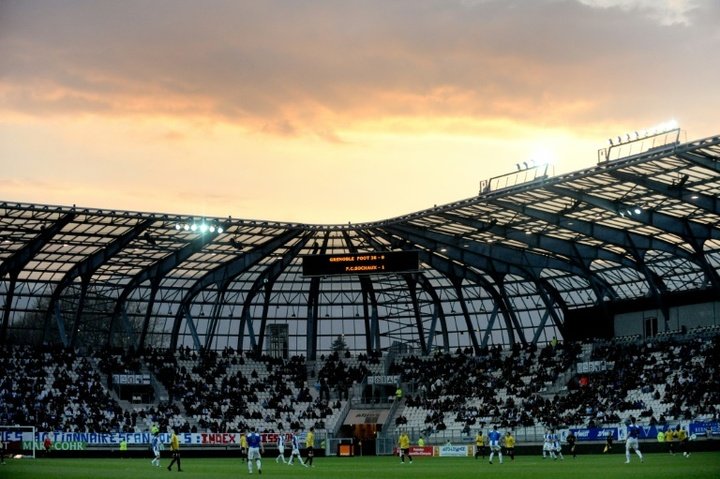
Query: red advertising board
(417, 451)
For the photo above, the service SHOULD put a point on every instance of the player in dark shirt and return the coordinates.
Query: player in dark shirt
(571, 439)
(608, 442)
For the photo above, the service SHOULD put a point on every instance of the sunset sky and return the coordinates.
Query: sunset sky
(332, 111)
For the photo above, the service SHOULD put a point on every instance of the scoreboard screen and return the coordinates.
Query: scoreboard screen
(381, 262)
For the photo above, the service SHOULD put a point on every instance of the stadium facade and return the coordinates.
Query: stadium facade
(630, 246)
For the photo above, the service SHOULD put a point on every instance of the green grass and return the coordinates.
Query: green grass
(656, 466)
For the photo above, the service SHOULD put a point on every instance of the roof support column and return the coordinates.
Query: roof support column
(154, 286)
(512, 325)
(466, 314)
(85, 280)
(412, 289)
(9, 297)
(193, 330)
(491, 323)
(61, 325)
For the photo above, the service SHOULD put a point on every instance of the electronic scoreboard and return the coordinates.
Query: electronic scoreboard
(381, 262)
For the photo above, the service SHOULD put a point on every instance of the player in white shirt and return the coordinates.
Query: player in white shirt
(633, 434)
(556, 447)
(281, 448)
(547, 445)
(295, 444)
(156, 446)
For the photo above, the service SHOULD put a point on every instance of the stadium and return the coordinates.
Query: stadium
(568, 303)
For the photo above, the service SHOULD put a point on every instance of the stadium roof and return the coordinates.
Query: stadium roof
(502, 267)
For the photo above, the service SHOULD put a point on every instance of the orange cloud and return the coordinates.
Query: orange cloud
(286, 110)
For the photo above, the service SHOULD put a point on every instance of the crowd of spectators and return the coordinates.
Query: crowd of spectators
(659, 381)
(54, 389)
(671, 379)
(497, 385)
(230, 390)
(336, 373)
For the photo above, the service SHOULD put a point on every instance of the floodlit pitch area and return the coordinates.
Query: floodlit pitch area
(656, 466)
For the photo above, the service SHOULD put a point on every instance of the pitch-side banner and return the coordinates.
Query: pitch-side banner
(452, 451)
(143, 438)
(593, 434)
(417, 451)
(646, 432)
(707, 429)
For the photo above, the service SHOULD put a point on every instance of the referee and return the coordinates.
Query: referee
(175, 451)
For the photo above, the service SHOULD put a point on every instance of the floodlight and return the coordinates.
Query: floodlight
(543, 156)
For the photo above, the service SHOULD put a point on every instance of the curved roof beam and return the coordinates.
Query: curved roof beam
(455, 272)
(17, 261)
(655, 282)
(656, 219)
(693, 233)
(712, 277)
(495, 258)
(606, 234)
(160, 268)
(266, 280)
(89, 265)
(581, 253)
(227, 271)
(703, 201)
(599, 285)
(698, 152)
(635, 244)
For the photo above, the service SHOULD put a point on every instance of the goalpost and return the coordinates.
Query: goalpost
(18, 441)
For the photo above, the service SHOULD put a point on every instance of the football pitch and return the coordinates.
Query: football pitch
(656, 466)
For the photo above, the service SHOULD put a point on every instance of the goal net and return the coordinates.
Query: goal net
(18, 441)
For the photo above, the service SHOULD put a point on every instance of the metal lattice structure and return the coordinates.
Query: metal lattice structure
(507, 266)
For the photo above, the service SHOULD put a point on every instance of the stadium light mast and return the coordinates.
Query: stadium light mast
(659, 137)
(527, 172)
